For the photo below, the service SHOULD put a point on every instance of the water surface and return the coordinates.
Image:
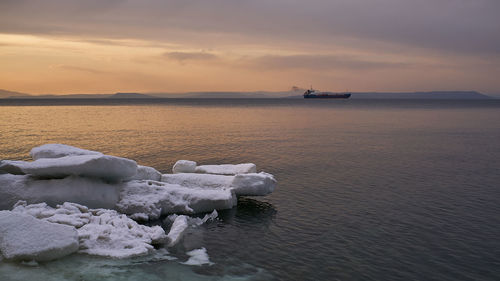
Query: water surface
(368, 190)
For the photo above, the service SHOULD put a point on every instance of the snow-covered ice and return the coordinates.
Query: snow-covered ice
(23, 237)
(177, 229)
(107, 195)
(100, 232)
(90, 192)
(11, 167)
(192, 180)
(227, 169)
(181, 223)
(254, 184)
(146, 173)
(243, 184)
(55, 150)
(184, 166)
(97, 166)
(153, 199)
(198, 257)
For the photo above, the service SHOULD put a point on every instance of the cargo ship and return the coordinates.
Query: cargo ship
(313, 94)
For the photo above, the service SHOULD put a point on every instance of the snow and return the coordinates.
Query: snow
(227, 169)
(90, 192)
(184, 166)
(243, 184)
(146, 173)
(100, 232)
(55, 150)
(106, 167)
(198, 257)
(153, 199)
(23, 237)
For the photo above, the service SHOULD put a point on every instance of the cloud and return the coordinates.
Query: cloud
(189, 56)
(448, 25)
(322, 62)
(79, 69)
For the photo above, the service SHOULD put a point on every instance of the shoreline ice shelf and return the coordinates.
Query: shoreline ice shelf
(101, 198)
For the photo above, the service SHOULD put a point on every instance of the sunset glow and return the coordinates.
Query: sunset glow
(154, 47)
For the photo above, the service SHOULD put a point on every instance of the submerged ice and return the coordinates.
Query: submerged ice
(85, 201)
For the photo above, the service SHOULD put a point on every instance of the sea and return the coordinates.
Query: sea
(367, 189)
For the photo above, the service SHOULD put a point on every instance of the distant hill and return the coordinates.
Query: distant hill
(422, 95)
(8, 94)
(221, 95)
(130, 96)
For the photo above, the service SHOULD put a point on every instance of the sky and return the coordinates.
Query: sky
(107, 46)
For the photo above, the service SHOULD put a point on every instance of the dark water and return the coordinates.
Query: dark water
(368, 190)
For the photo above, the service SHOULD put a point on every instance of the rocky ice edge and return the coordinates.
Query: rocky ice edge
(23, 237)
(100, 232)
(55, 150)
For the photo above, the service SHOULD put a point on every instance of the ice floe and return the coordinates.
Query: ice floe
(255, 184)
(90, 192)
(96, 199)
(146, 173)
(181, 223)
(23, 237)
(97, 166)
(184, 166)
(55, 150)
(100, 232)
(151, 199)
(227, 169)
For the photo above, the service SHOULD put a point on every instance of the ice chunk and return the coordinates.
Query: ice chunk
(198, 257)
(227, 169)
(99, 166)
(55, 150)
(181, 223)
(11, 167)
(146, 173)
(93, 193)
(243, 184)
(253, 184)
(184, 166)
(115, 235)
(68, 213)
(177, 229)
(157, 198)
(100, 232)
(23, 237)
(198, 180)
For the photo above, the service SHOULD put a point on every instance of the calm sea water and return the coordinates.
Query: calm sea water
(368, 190)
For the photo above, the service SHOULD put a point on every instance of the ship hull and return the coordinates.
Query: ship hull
(328, 96)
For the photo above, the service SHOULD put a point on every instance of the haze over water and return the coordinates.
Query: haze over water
(367, 190)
